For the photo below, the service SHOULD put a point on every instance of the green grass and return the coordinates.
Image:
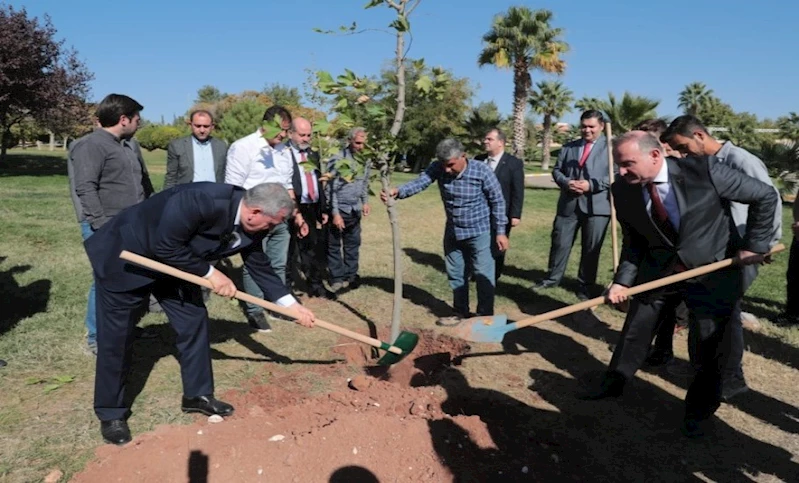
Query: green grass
(44, 276)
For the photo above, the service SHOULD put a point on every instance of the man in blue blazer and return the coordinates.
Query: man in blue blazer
(582, 175)
(188, 227)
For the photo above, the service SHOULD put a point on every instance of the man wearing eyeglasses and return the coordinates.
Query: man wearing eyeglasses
(261, 157)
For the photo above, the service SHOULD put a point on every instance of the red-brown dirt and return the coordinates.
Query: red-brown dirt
(384, 425)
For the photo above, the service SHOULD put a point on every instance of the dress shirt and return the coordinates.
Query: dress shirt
(283, 301)
(304, 198)
(252, 161)
(493, 161)
(203, 160)
(667, 196)
(472, 200)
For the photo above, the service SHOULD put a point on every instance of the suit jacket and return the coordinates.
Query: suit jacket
(296, 182)
(180, 161)
(595, 170)
(185, 227)
(703, 188)
(510, 173)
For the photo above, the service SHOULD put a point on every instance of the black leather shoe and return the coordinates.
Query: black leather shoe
(259, 323)
(657, 358)
(321, 292)
(115, 431)
(544, 284)
(612, 385)
(692, 429)
(207, 405)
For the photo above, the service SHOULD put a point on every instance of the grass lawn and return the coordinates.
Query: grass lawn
(46, 416)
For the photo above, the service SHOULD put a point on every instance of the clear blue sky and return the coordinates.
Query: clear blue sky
(161, 52)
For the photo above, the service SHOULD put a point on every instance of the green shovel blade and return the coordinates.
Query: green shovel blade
(406, 341)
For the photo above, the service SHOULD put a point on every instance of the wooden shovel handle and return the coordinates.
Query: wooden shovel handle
(166, 269)
(644, 287)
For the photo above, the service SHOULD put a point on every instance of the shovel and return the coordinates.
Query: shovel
(404, 345)
(494, 328)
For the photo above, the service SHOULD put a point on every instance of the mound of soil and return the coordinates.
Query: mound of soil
(387, 424)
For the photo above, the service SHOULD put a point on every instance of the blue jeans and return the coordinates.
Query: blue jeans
(276, 248)
(478, 251)
(91, 308)
(343, 248)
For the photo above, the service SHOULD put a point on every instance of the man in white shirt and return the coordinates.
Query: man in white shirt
(253, 160)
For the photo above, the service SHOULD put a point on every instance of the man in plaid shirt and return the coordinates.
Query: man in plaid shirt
(474, 204)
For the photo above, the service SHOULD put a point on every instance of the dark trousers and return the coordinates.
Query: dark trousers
(792, 281)
(499, 257)
(710, 306)
(308, 254)
(343, 247)
(592, 234)
(116, 319)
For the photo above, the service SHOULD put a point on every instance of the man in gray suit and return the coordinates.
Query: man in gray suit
(687, 135)
(675, 216)
(582, 174)
(198, 157)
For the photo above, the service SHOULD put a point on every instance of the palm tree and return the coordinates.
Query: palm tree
(789, 126)
(782, 161)
(481, 119)
(523, 40)
(694, 97)
(586, 103)
(630, 111)
(552, 100)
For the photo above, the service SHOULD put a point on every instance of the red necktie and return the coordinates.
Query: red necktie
(586, 152)
(308, 178)
(659, 214)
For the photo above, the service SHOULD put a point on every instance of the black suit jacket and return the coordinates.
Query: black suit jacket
(296, 183)
(185, 227)
(180, 161)
(510, 173)
(703, 188)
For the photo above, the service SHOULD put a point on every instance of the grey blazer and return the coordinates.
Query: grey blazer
(595, 170)
(180, 161)
(703, 188)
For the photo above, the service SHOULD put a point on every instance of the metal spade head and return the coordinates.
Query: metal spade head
(406, 341)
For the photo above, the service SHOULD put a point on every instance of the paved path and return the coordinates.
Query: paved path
(542, 180)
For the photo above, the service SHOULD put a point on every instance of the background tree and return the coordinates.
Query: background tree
(586, 103)
(208, 94)
(628, 112)
(39, 77)
(694, 97)
(523, 40)
(283, 95)
(240, 119)
(479, 121)
(789, 126)
(158, 136)
(552, 100)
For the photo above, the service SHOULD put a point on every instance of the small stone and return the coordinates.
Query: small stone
(200, 432)
(360, 383)
(354, 450)
(260, 471)
(215, 418)
(525, 469)
(277, 437)
(53, 476)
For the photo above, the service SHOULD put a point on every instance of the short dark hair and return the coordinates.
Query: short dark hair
(684, 126)
(200, 111)
(593, 114)
(276, 110)
(655, 126)
(114, 106)
(500, 134)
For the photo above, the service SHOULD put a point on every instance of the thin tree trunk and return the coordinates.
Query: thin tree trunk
(52, 141)
(546, 142)
(66, 140)
(520, 80)
(385, 178)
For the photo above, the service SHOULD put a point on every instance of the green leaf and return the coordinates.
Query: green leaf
(34, 380)
(272, 128)
(318, 30)
(342, 103)
(419, 64)
(64, 379)
(321, 126)
(51, 387)
(376, 111)
(400, 24)
(424, 84)
(373, 3)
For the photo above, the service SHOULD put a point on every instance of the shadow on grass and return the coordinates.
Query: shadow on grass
(32, 164)
(634, 438)
(20, 302)
(416, 295)
(147, 352)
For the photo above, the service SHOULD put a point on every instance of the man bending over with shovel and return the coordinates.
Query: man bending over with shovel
(187, 227)
(474, 206)
(675, 217)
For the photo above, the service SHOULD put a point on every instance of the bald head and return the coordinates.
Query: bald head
(300, 133)
(639, 156)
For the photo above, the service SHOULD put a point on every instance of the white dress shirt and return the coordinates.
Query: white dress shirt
(666, 194)
(252, 161)
(493, 161)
